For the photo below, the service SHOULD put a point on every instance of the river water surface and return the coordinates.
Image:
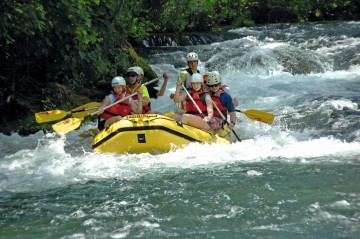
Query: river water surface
(296, 178)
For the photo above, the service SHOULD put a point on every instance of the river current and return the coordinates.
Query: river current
(296, 178)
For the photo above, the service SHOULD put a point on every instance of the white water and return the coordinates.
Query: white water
(317, 113)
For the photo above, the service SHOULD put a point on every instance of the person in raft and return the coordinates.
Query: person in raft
(222, 87)
(222, 100)
(133, 84)
(154, 93)
(123, 108)
(192, 116)
(192, 61)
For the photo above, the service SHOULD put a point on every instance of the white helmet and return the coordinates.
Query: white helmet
(140, 70)
(214, 78)
(118, 80)
(192, 56)
(197, 77)
(134, 69)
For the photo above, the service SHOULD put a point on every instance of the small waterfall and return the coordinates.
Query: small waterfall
(186, 39)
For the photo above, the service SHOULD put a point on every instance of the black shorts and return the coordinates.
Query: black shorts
(101, 124)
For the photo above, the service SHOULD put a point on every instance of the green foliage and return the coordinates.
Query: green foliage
(80, 42)
(196, 15)
(335, 10)
(70, 42)
(48, 104)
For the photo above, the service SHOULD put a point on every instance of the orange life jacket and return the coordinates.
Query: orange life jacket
(191, 108)
(123, 108)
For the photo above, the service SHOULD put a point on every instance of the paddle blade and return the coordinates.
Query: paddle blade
(259, 115)
(79, 112)
(65, 126)
(51, 115)
(85, 110)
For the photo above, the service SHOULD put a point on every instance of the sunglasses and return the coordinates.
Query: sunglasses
(213, 85)
(131, 75)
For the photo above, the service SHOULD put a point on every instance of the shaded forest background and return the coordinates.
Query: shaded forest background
(60, 54)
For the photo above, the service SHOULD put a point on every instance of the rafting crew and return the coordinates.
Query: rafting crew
(205, 90)
(198, 116)
(123, 108)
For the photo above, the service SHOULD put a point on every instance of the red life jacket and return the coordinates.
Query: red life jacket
(191, 108)
(123, 108)
(216, 98)
(135, 97)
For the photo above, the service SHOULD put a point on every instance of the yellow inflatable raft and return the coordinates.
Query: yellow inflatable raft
(149, 133)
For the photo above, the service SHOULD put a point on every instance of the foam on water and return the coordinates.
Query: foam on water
(51, 163)
(317, 114)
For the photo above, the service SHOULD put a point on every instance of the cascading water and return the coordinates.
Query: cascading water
(296, 178)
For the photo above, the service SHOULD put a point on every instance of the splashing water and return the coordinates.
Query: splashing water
(295, 178)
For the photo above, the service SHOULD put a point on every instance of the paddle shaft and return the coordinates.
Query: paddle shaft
(116, 102)
(197, 107)
(224, 118)
(86, 109)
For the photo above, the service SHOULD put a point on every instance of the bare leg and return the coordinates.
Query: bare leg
(235, 102)
(194, 121)
(180, 112)
(176, 117)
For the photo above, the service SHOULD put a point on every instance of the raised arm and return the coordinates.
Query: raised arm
(137, 106)
(163, 87)
(177, 96)
(103, 104)
(209, 108)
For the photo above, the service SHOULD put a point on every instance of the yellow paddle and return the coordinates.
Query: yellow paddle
(70, 124)
(79, 112)
(258, 115)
